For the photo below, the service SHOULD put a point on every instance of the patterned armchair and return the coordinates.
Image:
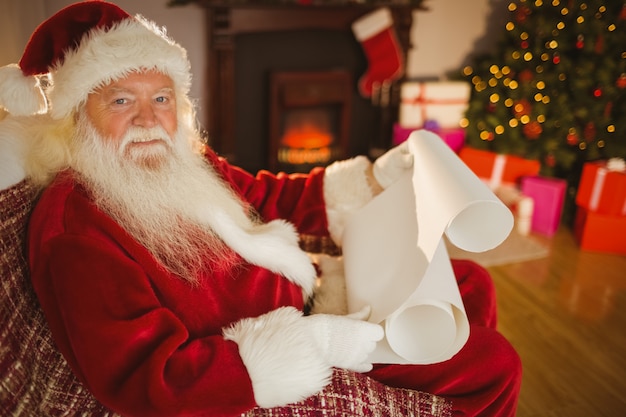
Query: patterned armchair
(35, 380)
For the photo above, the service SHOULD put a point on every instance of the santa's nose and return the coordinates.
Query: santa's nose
(145, 116)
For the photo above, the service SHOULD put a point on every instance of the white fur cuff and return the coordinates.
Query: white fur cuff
(283, 362)
(372, 23)
(346, 190)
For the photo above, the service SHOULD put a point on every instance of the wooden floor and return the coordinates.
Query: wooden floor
(566, 316)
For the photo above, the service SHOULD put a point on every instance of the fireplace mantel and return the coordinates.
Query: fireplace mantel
(225, 20)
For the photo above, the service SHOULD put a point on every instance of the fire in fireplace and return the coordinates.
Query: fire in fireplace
(309, 118)
(307, 138)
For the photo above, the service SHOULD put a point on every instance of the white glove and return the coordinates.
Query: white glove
(290, 357)
(390, 166)
(346, 341)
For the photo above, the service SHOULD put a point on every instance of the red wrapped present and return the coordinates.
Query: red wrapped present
(454, 137)
(497, 169)
(548, 195)
(442, 101)
(602, 187)
(600, 232)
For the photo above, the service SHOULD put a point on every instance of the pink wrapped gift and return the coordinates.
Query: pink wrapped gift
(454, 137)
(548, 195)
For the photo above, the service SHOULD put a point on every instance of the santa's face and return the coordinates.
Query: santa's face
(137, 114)
(165, 194)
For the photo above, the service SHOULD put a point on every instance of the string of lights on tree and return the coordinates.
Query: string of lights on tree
(554, 89)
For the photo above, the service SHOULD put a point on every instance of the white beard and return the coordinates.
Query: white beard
(174, 203)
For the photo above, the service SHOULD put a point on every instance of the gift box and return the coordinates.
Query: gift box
(602, 187)
(600, 232)
(521, 205)
(442, 101)
(454, 137)
(548, 195)
(496, 169)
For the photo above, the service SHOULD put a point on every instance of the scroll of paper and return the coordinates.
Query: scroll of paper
(395, 258)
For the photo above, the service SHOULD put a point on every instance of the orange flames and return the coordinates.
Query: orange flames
(305, 143)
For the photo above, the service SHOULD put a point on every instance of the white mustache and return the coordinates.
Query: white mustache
(136, 134)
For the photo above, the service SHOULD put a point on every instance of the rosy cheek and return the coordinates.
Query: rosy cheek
(117, 128)
(169, 123)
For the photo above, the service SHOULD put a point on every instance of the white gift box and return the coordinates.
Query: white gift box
(444, 102)
(521, 205)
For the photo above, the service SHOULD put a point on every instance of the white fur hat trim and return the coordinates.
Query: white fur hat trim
(106, 55)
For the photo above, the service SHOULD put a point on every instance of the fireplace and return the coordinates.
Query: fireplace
(260, 56)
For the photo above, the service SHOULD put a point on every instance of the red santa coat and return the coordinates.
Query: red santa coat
(143, 341)
(147, 343)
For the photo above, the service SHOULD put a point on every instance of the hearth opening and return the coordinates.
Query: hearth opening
(309, 118)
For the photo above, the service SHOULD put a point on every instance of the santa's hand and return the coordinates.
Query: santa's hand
(390, 166)
(346, 341)
(290, 357)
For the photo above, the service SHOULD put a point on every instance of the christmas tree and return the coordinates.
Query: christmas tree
(554, 89)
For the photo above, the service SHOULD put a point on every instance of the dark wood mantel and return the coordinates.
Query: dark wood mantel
(227, 19)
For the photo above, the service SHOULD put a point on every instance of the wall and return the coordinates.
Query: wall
(447, 35)
(17, 20)
(443, 37)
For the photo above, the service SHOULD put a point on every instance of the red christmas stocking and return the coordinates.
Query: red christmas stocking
(378, 38)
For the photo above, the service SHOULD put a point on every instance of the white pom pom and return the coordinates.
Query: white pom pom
(20, 95)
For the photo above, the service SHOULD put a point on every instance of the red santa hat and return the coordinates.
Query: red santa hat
(82, 47)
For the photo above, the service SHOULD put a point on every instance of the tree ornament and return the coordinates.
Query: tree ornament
(532, 130)
(590, 132)
(556, 58)
(621, 81)
(597, 92)
(522, 108)
(608, 108)
(598, 48)
(550, 160)
(572, 138)
(526, 76)
(580, 41)
(522, 14)
(622, 15)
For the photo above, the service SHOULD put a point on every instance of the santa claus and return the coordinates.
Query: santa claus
(173, 281)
